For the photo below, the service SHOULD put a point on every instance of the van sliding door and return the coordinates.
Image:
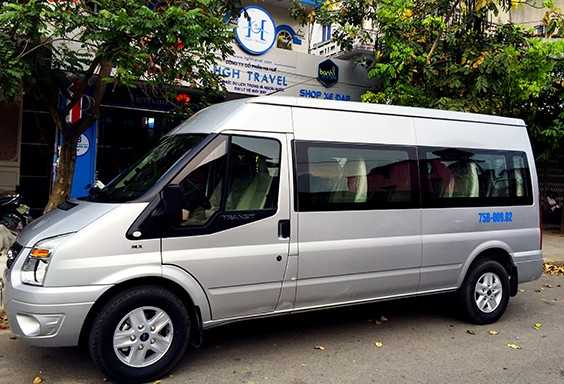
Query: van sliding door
(358, 209)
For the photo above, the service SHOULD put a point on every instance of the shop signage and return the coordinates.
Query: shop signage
(288, 73)
(328, 73)
(256, 31)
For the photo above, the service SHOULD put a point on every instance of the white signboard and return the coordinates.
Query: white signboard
(256, 30)
(289, 73)
(82, 145)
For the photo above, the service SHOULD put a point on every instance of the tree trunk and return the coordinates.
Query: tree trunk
(64, 173)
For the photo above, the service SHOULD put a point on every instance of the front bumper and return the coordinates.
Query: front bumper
(529, 265)
(47, 316)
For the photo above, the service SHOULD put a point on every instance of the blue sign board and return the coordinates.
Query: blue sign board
(85, 165)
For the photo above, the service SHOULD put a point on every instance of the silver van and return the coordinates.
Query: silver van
(274, 205)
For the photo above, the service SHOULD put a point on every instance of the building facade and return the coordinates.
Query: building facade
(271, 56)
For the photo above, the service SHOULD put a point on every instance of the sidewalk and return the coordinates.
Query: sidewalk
(553, 247)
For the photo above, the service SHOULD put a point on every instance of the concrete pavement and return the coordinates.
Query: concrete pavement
(553, 246)
(422, 343)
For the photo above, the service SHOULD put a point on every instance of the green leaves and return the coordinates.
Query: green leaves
(166, 43)
(443, 54)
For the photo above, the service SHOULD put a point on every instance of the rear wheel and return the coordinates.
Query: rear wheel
(484, 295)
(140, 335)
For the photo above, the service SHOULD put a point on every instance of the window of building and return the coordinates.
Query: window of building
(469, 177)
(284, 40)
(334, 177)
(326, 33)
(241, 176)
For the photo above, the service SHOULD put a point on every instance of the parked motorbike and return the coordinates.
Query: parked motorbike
(14, 214)
(551, 209)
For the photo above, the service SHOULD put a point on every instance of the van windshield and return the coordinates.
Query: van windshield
(142, 175)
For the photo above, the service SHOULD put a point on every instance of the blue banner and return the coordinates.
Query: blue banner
(85, 165)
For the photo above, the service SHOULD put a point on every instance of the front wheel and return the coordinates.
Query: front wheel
(484, 295)
(140, 335)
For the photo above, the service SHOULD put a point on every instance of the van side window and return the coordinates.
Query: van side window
(459, 177)
(335, 176)
(241, 175)
(254, 173)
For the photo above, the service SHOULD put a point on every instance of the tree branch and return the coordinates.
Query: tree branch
(441, 33)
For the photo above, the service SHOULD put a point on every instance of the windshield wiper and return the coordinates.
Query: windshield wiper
(95, 193)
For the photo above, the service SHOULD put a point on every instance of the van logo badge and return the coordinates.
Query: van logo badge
(136, 246)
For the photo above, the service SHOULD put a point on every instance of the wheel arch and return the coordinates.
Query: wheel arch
(492, 250)
(172, 278)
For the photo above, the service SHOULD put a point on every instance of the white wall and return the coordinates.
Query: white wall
(526, 15)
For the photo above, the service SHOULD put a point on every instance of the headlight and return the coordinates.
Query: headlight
(35, 265)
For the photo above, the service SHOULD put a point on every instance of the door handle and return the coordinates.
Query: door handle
(284, 229)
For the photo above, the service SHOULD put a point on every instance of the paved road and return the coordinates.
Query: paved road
(422, 343)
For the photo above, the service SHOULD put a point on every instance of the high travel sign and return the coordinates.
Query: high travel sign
(290, 73)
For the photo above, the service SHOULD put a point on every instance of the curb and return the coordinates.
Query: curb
(558, 263)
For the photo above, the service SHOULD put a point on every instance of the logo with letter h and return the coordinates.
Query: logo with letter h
(254, 28)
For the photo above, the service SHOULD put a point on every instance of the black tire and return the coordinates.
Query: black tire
(466, 293)
(100, 340)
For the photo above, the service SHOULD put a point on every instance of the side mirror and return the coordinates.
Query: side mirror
(171, 196)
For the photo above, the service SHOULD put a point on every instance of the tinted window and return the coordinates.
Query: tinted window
(251, 167)
(334, 177)
(459, 177)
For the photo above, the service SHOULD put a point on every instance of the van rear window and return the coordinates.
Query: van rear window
(461, 177)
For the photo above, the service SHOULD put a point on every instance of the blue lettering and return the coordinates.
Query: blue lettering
(261, 30)
(227, 72)
(249, 27)
(311, 93)
(495, 217)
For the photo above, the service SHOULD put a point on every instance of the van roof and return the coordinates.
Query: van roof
(382, 109)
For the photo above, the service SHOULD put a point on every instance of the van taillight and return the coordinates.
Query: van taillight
(541, 226)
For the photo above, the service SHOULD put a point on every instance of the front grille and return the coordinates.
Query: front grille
(13, 253)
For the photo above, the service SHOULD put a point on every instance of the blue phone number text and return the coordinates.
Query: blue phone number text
(495, 217)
